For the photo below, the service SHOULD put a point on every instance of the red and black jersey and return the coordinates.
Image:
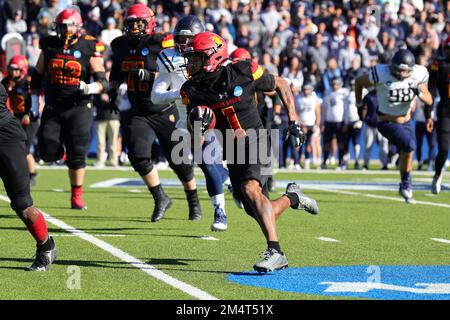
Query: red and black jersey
(65, 68)
(19, 98)
(440, 80)
(232, 97)
(127, 57)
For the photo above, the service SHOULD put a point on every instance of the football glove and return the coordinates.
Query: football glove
(141, 74)
(295, 131)
(277, 119)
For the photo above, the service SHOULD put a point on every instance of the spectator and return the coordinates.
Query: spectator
(17, 24)
(274, 49)
(93, 25)
(348, 53)
(33, 51)
(271, 17)
(256, 27)
(293, 49)
(332, 72)
(294, 73)
(268, 65)
(111, 32)
(414, 39)
(354, 72)
(318, 54)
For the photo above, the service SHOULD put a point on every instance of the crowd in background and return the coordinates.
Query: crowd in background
(310, 43)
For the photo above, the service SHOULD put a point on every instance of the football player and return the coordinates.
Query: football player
(17, 84)
(14, 174)
(397, 84)
(67, 61)
(228, 90)
(166, 89)
(352, 127)
(440, 81)
(135, 62)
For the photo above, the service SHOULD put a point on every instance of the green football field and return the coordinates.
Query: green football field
(113, 251)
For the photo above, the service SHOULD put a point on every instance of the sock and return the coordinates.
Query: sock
(294, 200)
(406, 177)
(218, 201)
(77, 190)
(47, 246)
(274, 245)
(157, 193)
(192, 197)
(39, 228)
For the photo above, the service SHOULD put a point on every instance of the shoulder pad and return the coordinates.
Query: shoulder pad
(99, 49)
(169, 60)
(184, 97)
(117, 42)
(257, 70)
(49, 41)
(420, 73)
(435, 65)
(89, 38)
(167, 41)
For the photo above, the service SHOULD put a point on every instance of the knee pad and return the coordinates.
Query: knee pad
(76, 163)
(20, 203)
(141, 165)
(185, 172)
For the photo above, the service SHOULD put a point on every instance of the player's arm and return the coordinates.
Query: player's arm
(286, 96)
(36, 84)
(318, 109)
(100, 83)
(361, 83)
(161, 94)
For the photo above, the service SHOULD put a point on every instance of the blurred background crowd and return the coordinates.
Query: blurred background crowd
(310, 43)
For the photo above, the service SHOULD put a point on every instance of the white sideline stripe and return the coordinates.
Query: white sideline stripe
(327, 239)
(441, 240)
(368, 195)
(148, 269)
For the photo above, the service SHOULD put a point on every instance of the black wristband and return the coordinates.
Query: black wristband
(291, 122)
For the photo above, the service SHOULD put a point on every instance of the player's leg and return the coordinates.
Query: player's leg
(14, 173)
(113, 138)
(369, 142)
(101, 142)
(77, 125)
(327, 141)
(139, 137)
(383, 149)
(164, 126)
(420, 132)
(431, 140)
(50, 136)
(443, 140)
(31, 130)
(355, 138)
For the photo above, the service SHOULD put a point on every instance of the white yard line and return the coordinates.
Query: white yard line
(441, 240)
(368, 195)
(148, 269)
(327, 239)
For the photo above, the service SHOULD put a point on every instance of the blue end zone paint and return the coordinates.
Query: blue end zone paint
(395, 282)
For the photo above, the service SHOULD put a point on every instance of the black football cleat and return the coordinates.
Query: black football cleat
(160, 209)
(195, 213)
(44, 259)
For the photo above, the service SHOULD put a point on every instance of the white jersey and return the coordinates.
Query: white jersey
(395, 97)
(334, 105)
(171, 76)
(351, 111)
(306, 108)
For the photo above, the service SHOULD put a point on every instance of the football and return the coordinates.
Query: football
(203, 114)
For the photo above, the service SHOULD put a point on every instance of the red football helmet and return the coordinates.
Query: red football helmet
(139, 21)
(211, 47)
(240, 54)
(68, 25)
(18, 62)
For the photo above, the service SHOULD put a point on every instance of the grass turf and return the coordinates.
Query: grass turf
(371, 232)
